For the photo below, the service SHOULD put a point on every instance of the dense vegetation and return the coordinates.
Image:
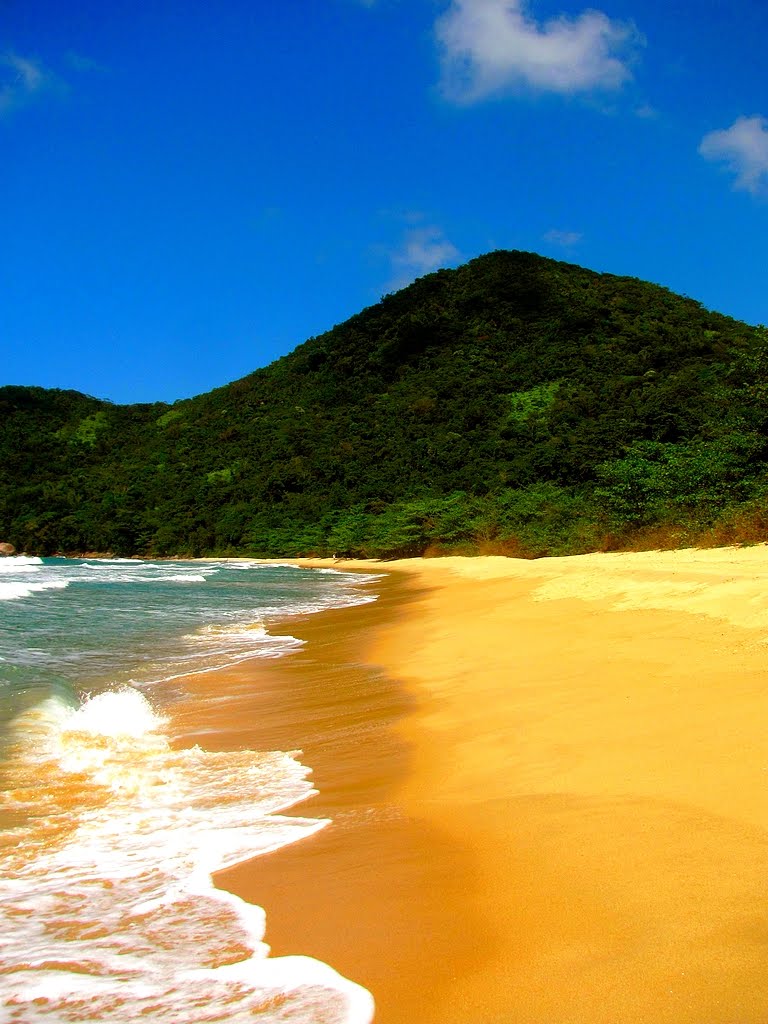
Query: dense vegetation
(516, 404)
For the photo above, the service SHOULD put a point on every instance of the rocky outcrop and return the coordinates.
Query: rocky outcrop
(7, 549)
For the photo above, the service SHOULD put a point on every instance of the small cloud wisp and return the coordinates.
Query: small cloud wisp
(744, 149)
(422, 250)
(20, 79)
(564, 239)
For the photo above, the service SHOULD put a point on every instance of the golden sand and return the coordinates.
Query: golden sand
(562, 817)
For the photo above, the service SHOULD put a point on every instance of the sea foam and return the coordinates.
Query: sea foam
(108, 909)
(112, 834)
(14, 590)
(15, 563)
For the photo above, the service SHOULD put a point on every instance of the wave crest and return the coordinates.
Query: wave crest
(111, 900)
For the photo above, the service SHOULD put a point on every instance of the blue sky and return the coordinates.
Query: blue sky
(189, 190)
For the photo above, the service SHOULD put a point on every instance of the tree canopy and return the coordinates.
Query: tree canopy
(515, 404)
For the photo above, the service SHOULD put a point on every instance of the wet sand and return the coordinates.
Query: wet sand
(365, 893)
(549, 786)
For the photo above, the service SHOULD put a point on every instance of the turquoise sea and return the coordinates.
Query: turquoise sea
(110, 831)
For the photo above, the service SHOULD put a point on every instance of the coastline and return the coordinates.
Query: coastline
(586, 768)
(356, 893)
(115, 824)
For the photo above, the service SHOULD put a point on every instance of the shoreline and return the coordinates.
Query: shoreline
(346, 895)
(586, 754)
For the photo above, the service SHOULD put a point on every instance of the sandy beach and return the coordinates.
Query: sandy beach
(548, 784)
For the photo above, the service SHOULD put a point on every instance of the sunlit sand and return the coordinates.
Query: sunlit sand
(566, 821)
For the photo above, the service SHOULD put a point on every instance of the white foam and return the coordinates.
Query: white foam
(239, 993)
(339, 599)
(16, 590)
(177, 578)
(122, 713)
(217, 646)
(142, 573)
(108, 910)
(19, 563)
(251, 635)
(99, 563)
(116, 561)
(352, 577)
(255, 563)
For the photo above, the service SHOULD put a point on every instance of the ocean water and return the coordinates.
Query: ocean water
(110, 832)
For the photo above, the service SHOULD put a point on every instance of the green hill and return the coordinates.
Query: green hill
(515, 404)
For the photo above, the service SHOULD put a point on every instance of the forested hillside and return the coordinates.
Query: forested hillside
(516, 404)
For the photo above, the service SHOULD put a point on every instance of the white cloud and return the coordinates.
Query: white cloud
(490, 46)
(744, 149)
(28, 72)
(20, 79)
(565, 239)
(421, 251)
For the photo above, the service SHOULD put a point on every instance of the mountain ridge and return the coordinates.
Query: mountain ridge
(515, 401)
